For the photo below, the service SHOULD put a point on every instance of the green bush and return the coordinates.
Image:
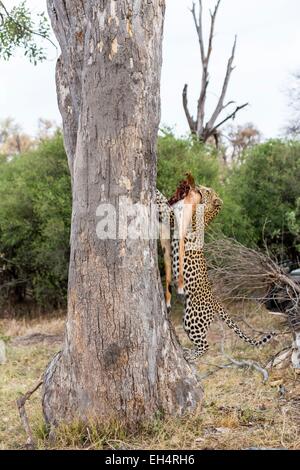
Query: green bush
(262, 198)
(261, 205)
(35, 213)
(178, 156)
(293, 223)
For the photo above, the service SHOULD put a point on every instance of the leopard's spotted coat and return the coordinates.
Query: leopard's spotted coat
(200, 304)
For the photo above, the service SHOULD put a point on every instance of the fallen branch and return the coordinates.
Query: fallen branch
(217, 369)
(279, 314)
(30, 444)
(279, 358)
(243, 363)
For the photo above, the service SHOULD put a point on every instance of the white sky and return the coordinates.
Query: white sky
(267, 54)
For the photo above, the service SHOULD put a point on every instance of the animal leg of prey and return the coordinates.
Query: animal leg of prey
(166, 247)
(184, 218)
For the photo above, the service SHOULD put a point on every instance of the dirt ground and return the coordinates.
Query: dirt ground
(239, 410)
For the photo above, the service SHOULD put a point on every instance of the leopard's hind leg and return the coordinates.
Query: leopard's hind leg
(201, 346)
(196, 329)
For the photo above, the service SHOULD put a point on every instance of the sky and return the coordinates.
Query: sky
(267, 55)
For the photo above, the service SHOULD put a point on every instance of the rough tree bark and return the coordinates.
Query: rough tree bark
(120, 360)
(198, 127)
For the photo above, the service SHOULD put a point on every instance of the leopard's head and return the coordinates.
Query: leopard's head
(210, 198)
(197, 194)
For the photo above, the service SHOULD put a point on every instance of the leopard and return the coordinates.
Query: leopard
(200, 304)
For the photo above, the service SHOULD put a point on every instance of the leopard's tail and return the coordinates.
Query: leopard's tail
(229, 322)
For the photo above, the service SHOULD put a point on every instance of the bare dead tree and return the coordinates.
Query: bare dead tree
(198, 127)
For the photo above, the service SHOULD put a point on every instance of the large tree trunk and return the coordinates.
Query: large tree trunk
(120, 358)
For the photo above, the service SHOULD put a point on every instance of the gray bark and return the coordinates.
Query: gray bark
(120, 360)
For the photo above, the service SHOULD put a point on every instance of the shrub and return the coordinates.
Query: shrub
(178, 156)
(262, 198)
(35, 213)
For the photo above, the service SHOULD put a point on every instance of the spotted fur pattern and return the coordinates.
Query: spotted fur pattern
(201, 306)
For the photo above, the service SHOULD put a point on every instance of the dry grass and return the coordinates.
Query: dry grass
(238, 411)
(20, 327)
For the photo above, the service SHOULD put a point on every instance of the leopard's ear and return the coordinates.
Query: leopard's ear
(190, 179)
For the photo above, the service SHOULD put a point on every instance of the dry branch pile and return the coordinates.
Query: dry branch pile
(241, 272)
(238, 272)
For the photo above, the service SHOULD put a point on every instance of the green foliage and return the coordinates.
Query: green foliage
(262, 198)
(35, 213)
(19, 30)
(261, 194)
(178, 156)
(293, 223)
(261, 203)
(233, 221)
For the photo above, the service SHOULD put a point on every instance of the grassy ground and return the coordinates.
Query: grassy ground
(239, 410)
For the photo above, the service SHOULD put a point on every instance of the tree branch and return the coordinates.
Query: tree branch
(279, 357)
(23, 415)
(205, 63)
(23, 27)
(220, 103)
(217, 368)
(228, 104)
(212, 27)
(191, 121)
(244, 363)
(199, 29)
(230, 116)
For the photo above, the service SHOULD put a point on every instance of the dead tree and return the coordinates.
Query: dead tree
(198, 127)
